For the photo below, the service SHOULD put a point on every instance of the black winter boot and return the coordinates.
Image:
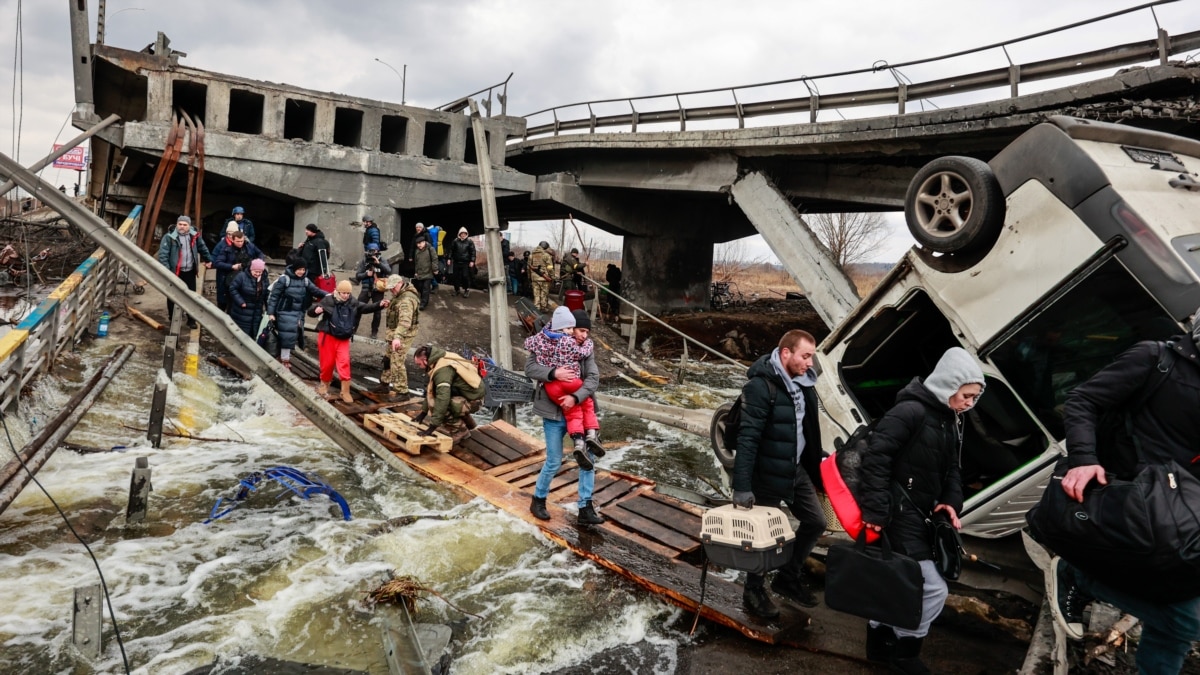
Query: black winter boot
(588, 515)
(538, 508)
(758, 603)
(906, 657)
(880, 642)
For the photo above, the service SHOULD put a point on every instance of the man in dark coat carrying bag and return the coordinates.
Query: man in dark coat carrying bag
(778, 459)
(1150, 478)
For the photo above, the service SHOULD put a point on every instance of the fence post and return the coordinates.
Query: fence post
(633, 332)
(86, 621)
(158, 407)
(139, 489)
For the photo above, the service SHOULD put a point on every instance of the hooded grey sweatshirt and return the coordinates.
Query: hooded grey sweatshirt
(956, 368)
(808, 379)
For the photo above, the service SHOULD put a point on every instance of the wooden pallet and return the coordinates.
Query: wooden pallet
(402, 431)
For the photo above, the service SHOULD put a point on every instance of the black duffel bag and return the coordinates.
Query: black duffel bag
(1140, 536)
(874, 582)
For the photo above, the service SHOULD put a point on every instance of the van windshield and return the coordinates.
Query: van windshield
(1075, 336)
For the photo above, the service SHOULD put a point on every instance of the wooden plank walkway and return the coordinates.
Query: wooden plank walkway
(649, 538)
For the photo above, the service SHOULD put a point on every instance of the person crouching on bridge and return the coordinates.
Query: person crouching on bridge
(454, 389)
(556, 347)
(913, 457)
(338, 311)
(248, 297)
(554, 424)
(778, 459)
(286, 304)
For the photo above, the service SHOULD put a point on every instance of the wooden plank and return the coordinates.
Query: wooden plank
(649, 528)
(514, 437)
(617, 489)
(494, 446)
(470, 458)
(676, 503)
(566, 477)
(602, 481)
(518, 469)
(470, 445)
(680, 521)
(497, 437)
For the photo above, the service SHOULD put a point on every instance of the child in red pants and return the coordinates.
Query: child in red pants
(339, 312)
(554, 347)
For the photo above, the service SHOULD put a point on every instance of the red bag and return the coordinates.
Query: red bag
(326, 280)
(845, 506)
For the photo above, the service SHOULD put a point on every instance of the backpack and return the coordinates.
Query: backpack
(377, 239)
(733, 419)
(1116, 446)
(841, 475)
(341, 320)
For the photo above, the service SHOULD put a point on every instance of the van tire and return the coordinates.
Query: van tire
(716, 434)
(954, 205)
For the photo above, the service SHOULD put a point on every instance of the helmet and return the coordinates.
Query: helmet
(372, 246)
(238, 209)
(574, 250)
(543, 244)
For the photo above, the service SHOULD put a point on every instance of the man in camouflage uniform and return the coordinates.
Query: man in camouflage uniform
(571, 272)
(541, 271)
(455, 388)
(401, 323)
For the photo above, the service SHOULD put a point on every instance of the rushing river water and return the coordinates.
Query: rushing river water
(284, 579)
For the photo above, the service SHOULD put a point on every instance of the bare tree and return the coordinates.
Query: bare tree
(731, 259)
(850, 237)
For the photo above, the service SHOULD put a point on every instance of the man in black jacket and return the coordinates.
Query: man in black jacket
(310, 250)
(778, 459)
(1167, 428)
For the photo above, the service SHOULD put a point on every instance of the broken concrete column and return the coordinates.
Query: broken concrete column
(666, 273)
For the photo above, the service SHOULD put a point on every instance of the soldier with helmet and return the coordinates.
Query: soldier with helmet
(541, 271)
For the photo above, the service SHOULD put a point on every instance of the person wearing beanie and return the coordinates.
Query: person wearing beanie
(315, 250)
(1152, 390)
(288, 297)
(183, 252)
(403, 315)
(238, 219)
(435, 242)
(462, 262)
(372, 273)
(421, 234)
(339, 311)
(233, 257)
(425, 266)
(915, 446)
(541, 271)
(561, 358)
(248, 297)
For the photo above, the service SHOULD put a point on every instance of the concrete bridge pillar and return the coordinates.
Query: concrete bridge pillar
(340, 223)
(661, 273)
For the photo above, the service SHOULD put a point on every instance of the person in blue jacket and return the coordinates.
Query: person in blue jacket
(232, 258)
(248, 297)
(238, 217)
(286, 304)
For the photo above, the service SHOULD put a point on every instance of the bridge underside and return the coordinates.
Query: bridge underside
(676, 189)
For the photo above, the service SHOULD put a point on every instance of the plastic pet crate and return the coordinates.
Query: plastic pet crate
(754, 540)
(505, 386)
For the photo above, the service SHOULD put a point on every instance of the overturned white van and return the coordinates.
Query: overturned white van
(1074, 242)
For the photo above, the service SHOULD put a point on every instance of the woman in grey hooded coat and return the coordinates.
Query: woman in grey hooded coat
(913, 460)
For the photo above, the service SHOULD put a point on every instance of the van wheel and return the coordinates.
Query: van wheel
(954, 205)
(716, 434)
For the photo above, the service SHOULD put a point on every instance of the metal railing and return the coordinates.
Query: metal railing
(60, 319)
(1160, 47)
(460, 104)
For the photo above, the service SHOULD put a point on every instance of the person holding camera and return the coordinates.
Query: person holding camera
(371, 269)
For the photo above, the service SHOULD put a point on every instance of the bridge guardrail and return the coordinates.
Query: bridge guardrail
(60, 319)
(1161, 47)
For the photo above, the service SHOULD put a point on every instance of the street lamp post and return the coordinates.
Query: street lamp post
(403, 78)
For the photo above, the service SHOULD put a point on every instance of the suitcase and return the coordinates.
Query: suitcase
(326, 280)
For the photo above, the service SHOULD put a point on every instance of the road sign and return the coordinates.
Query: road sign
(75, 159)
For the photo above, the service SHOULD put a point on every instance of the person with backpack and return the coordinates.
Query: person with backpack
(778, 459)
(338, 311)
(1155, 386)
(371, 235)
(286, 303)
(909, 472)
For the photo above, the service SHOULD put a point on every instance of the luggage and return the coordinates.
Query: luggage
(326, 280)
(1140, 536)
(874, 582)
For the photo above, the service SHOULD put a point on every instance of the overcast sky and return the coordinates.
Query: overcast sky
(558, 52)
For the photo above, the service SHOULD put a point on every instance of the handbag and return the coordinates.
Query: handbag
(947, 547)
(268, 339)
(874, 582)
